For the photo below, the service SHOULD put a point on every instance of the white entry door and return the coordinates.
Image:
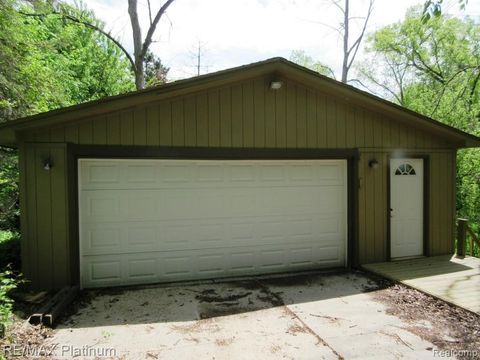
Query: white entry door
(406, 202)
(147, 221)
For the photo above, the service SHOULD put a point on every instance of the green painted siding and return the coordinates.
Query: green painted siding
(243, 115)
(45, 225)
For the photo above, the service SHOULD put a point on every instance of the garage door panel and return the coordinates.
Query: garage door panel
(147, 221)
(124, 237)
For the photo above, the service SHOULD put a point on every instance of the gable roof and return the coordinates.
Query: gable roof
(276, 68)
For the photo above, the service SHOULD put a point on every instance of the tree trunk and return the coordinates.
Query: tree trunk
(137, 45)
(345, 42)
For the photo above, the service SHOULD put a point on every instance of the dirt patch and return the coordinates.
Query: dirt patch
(453, 328)
(218, 310)
(22, 335)
(224, 342)
(204, 325)
(331, 319)
(292, 280)
(210, 296)
(297, 329)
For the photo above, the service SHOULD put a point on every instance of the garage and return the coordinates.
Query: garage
(150, 220)
(226, 175)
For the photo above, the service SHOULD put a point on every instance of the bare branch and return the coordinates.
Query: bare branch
(149, 11)
(357, 43)
(151, 30)
(88, 25)
(339, 7)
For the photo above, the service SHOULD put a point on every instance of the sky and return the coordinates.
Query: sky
(237, 32)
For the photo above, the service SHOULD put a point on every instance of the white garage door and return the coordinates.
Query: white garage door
(147, 221)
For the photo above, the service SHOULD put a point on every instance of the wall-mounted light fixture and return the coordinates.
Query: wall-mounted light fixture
(276, 85)
(47, 164)
(373, 164)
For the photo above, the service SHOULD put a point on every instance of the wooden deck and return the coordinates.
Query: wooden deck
(456, 281)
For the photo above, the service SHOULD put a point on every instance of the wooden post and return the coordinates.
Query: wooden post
(461, 237)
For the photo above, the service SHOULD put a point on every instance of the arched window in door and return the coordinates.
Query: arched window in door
(405, 169)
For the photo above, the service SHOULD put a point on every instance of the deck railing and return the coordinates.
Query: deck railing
(463, 230)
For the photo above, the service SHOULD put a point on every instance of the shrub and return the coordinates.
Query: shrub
(8, 282)
(9, 250)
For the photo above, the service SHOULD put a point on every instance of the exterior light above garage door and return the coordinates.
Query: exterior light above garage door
(276, 85)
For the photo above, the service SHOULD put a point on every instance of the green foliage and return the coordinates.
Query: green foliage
(300, 57)
(155, 72)
(9, 250)
(8, 282)
(434, 68)
(49, 62)
(9, 204)
(433, 8)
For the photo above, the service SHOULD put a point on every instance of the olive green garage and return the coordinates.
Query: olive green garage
(263, 168)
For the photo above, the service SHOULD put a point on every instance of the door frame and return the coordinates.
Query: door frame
(76, 152)
(426, 200)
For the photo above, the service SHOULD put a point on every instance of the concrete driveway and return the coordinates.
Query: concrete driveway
(309, 316)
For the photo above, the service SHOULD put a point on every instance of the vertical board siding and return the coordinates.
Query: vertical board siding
(246, 114)
(30, 236)
(362, 213)
(259, 113)
(341, 129)
(321, 121)
(166, 126)
(152, 125)
(60, 247)
(44, 218)
(45, 233)
(202, 119)
(311, 109)
(225, 117)
(57, 134)
(178, 123)
(237, 116)
(126, 128)
(85, 132)
(330, 107)
(140, 126)
(301, 106)
(213, 119)
(278, 124)
(190, 120)
(100, 133)
(113, 130)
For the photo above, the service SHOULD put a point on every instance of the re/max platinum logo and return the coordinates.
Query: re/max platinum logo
(57, 350)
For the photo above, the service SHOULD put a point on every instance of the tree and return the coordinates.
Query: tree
(47, 63)
(433, 8)
(140, 45)
(300, 57)
(155, 72)
(350, 49)
(433, 68)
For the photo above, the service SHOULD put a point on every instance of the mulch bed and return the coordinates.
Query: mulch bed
(452, 328)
